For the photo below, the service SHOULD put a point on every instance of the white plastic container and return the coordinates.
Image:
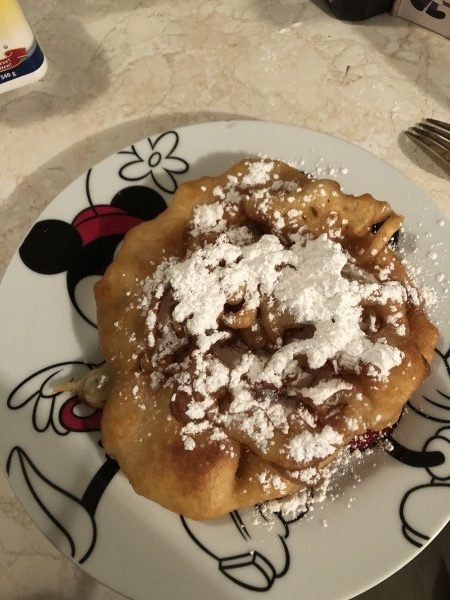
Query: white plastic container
(21, 59)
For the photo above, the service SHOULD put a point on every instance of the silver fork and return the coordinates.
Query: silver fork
(434, 136)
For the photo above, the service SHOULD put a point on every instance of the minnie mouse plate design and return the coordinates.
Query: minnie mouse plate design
(50, 443)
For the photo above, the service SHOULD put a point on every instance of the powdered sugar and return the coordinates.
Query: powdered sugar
(325, 389)
(308, 446)
(190, 430)
(327, 483)
(258, 174)
(307, 282)
(271, 482)
(208, 217)
(307, 291)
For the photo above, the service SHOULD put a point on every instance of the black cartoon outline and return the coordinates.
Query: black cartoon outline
(86, 246)
(155, 159)
(88, 503)
(250, 558)
(436, 412)
(40, 396)
(129, 206)
(233, 566)
(92, 237)
(227, 564)
(431, 7)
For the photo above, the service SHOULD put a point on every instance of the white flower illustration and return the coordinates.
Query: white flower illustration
(155, 159)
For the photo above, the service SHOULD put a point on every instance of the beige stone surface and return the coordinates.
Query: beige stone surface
(120, 70)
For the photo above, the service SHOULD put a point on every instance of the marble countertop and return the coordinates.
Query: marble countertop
(119, 70)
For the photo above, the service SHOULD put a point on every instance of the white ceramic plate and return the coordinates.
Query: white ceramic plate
(50, 445)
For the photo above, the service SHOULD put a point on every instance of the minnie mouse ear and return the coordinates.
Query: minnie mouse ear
(50, 247)
(140, 201)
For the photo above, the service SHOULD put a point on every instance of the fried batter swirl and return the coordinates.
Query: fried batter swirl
(257, 326)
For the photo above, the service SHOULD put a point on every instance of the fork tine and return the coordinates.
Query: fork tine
(445, 133)
(430, 145)
(432, 133)
(440, 124)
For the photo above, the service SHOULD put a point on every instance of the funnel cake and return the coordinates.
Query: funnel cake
(252, 331)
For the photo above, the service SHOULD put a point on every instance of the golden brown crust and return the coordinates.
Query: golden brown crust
(205, 481)
(137, 426)
(201, 484)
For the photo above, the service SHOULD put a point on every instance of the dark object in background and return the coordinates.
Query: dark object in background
(358, 10)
